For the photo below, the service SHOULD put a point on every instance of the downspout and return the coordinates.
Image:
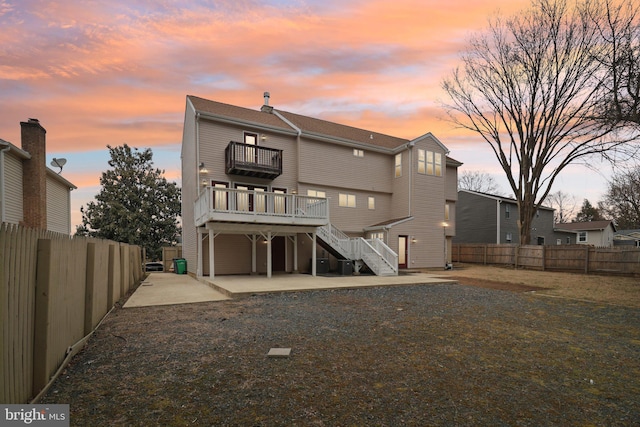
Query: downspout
(498, 203)
(3, 214)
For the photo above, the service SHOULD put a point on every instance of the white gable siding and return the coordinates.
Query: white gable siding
(58, 207)
(13, 189)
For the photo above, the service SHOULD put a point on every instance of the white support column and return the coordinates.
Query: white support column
(295, 253)
(254, 256)
(269, 266)
(200, 236)
(211, 257)
(313, 254)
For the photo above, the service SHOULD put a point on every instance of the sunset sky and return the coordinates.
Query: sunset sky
(114, 72)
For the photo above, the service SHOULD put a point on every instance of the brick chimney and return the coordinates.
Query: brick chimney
(34, 172)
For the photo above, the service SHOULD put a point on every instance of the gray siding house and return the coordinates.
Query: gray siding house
(595, 233)
(32, 194)
(487, 218)
(267, 191)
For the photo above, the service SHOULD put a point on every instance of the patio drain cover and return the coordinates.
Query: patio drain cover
(279, 352)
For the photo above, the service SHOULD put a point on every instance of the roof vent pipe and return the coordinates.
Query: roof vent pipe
(266, 98)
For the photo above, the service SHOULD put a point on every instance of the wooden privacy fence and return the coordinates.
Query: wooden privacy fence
(54, 291)
(577, 258)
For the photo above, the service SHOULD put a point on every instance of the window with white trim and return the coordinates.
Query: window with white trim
(316, 193)
(509, 237)
(347, 200)
(398, 165)
(358, 153)
(582, 236)
(507, 211)
(377, 235)
(422, 161)
(371, 202)
(446, 212)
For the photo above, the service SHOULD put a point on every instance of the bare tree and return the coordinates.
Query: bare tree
(564, 206)
(530, 87)
(618, 24)
(622, 199)
(479, 181)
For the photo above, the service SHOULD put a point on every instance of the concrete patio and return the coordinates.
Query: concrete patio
(169, 288)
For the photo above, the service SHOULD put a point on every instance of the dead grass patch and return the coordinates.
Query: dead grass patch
(617, 290)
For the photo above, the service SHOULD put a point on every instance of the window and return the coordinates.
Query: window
(558, 242)
(507, 211)
(398, 169)
(446, 212)
(316, 193)
(358, 153)
(568, 240)
(429, 163)
(422, 162)
(279, 200)
(509, 237)
(250, 153)
(371, 202)
(377, 235)
(582, 236)
(220, 197)
(347, 200)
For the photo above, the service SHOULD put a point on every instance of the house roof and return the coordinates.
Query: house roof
(19, 151)
(239, 114)
(309, 126)
(389, 223)
(585, 226)
(500, 198)
(53, 174)
(627, 235)
(317, 127)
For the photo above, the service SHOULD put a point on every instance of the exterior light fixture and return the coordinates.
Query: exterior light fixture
(203, 169)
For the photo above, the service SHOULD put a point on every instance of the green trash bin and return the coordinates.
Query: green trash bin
(180, 266)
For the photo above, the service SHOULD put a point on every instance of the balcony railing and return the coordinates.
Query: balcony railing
(233, 205)
(253, 160)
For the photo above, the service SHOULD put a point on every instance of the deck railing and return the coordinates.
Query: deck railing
(253, 160)
(234, 205)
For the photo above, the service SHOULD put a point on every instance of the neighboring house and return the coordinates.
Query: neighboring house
(488, 218)
(267, 190)
(595, 233)
(627, 238)
(31, 194)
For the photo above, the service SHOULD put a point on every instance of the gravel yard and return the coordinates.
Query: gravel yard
(415, 355)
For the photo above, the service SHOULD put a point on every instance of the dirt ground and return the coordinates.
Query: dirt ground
(617, 290)
(482, 352)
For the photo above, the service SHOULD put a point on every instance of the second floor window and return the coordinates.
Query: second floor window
(582, 237)
(429, 163)
(347, 200)
(446, 212)
(358, 153)
(372, 202)
(398, 166)
(316, 193)
(507, 211)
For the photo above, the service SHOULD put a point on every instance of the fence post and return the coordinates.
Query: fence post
(544, 257)
(516, 257)
(586, 260)
(484, 255)
(41, 318)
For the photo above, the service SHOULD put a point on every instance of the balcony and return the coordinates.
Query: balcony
(260, 207)
(253, 160)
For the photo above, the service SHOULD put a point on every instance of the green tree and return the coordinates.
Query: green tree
(588, 212)
(136, 204)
